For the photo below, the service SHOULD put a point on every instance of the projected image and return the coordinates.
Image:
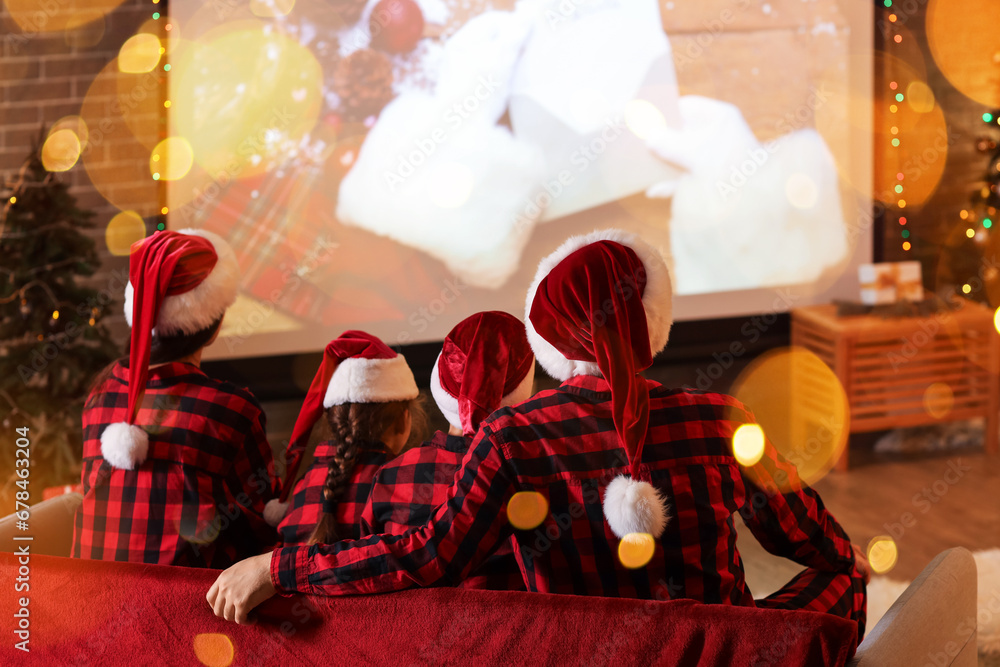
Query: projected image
(370, 159)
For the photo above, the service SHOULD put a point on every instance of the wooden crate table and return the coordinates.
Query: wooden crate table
(909, 371)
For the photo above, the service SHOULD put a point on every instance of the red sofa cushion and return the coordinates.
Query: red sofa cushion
(128, 614)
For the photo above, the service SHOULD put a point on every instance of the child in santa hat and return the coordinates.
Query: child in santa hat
(607, 450)
(484, 364)
(176, 465)
(370, 400)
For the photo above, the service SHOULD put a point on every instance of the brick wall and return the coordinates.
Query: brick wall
(45, 75)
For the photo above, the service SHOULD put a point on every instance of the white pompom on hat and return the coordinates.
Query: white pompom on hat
(601, 304)
(186, 280)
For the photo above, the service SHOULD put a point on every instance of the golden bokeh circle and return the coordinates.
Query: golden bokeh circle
(140, 53)
(527, 510)
(962, 39)
(244, 98)
(171, 159)
(748, 444)
(34, 17)
(214, 649)
(635, 550)
(882, 554)
(122, 231)
(801, 406)
(61, 150)
(939, 399)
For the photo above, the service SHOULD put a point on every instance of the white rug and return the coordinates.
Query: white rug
(883, 591)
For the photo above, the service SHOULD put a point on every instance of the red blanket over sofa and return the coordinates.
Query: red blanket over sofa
(88, 612)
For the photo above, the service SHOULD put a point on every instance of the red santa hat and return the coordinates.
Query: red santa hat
(356, 368)
(484, 364)
(185, 281)
(601, 304)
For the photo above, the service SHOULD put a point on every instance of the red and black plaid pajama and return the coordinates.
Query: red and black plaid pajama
(407, 490)
(562, 443)
(198, 498)
(306, 507)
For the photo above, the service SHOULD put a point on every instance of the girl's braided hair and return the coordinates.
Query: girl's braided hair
(351, 424)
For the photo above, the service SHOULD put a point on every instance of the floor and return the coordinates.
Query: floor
(925, 504)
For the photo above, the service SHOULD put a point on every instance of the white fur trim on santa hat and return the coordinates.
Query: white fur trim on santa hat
(631, 506)
(358, 380)
(124, 445)
(198, 308)
(448, 404)
(275, 511)
(657, 300)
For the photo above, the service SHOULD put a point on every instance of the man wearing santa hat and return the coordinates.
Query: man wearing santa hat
(485, 364)
(176, 465)
(621, 462)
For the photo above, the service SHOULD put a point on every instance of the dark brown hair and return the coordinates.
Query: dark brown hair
(164, 349)
(350, 424)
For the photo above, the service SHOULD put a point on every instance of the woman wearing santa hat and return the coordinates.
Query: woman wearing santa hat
(620, 460)
(484, 364)
(176, 465)
(370, 400)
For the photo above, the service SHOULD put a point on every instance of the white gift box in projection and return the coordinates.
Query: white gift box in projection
(384, 174)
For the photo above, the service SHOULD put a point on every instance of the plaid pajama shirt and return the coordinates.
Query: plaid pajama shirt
(198, 498)
(307, 500)
(407, 490)
(562, 444)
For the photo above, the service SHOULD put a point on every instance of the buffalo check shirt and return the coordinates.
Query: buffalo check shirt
(307, 499)
(407, 490)
(198, 498)
(562, 443)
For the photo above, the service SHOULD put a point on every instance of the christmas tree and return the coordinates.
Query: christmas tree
(52, 339)
(972, 252)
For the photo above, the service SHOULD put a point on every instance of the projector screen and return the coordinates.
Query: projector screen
(396, 166)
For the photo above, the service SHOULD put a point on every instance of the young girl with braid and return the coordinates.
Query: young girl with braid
(369, 397)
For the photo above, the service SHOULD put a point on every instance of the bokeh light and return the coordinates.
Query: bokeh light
(122, 231)
(643, 118)
(33, 16)
(801, 406)
(748, 444)
(451, 184)
(140, 53)
(526, 510)
(271, 8)
(244, 98)
(939, 399)
(61, 150)
(920, 97)
(964, 50)
(214, 649)
(882, 554)
(635, 550)
(801, 191)
(171, 159)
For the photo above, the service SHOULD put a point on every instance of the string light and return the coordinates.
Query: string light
(970, 232)
(964, 215)
(898, 38)
(906, 233)
(156, 16)
(987, 117)
(167, 104)
(899, 97)
(164, 210)
(966, 288)
(902, 221)
(13, 200)
(906, 245)
(987, 223)
(55, 314)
